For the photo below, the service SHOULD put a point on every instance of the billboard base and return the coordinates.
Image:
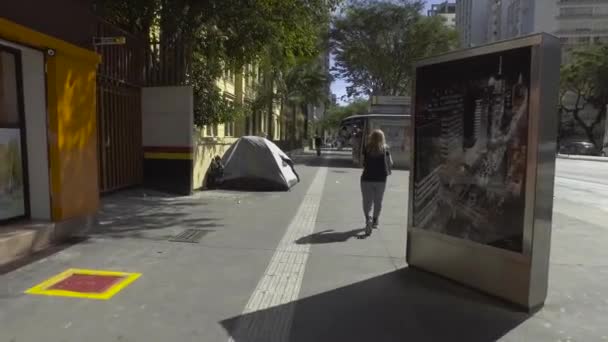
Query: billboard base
(496, 272)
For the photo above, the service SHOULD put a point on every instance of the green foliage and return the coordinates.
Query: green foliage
(584, 82)
(135, 16)
(218, 34)
(376, 43)
(211, 107)
(335, 114)
(305, 83)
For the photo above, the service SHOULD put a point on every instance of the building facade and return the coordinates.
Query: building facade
(575, 22)
(471, 22)
(526, 17)
(581, 23)
(495, 27)
(447, 10)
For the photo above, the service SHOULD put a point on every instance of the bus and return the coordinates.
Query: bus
(396, 128)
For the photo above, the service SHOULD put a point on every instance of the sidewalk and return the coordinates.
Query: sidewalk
(289, 267)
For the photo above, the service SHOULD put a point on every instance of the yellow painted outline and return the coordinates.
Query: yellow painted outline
(42, 288)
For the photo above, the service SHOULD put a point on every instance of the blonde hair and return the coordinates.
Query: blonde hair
(376, 143)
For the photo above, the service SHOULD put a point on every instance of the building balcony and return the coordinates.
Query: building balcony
(581, 16)
(581, 2)
(579, 32)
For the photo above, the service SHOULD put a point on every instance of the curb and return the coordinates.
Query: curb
(587, 158)
(22, 240)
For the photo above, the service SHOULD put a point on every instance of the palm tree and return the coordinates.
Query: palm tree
(295, 82)
(304, 84)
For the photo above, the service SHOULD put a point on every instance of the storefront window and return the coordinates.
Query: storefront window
(12, 190)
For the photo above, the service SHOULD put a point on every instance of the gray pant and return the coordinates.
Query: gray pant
(373, 193)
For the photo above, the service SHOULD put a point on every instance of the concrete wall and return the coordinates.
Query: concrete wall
(167, 116)
(71, 120)
(37, 139)
(167, 128)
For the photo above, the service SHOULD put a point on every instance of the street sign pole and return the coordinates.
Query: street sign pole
(98, 41)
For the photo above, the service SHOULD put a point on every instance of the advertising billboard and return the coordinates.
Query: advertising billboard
(483, 166)
(471, 141)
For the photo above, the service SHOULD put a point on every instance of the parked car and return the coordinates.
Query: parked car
(584, 148)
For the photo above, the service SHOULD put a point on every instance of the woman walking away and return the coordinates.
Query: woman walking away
(377, 164)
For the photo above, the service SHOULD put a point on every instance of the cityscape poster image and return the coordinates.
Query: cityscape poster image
(471, 129)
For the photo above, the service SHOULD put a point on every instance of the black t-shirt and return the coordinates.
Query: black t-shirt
(374, 167)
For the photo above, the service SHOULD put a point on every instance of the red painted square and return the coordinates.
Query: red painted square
(85, 283)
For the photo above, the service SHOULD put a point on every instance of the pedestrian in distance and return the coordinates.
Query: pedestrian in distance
(216, 172)
(343, 138)
(377, 166)
(318, 144)
(355, 143)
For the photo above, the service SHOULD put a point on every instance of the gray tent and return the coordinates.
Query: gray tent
(255, 163)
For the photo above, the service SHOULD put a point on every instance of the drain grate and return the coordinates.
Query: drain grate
(190, 235)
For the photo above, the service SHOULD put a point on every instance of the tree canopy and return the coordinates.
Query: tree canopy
(216, 35)
(584, 85)
(375, 44)
(335, 114)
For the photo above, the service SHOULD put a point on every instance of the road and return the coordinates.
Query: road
(582, 181)
(289, 267)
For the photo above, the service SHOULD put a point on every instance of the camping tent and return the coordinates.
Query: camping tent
(255, 163)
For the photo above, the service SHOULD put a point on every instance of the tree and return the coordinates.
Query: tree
(376, 43)
(135, 16)
(336, 114)
(292, 73)
(304, 84)
(195, 37)
(584, 85)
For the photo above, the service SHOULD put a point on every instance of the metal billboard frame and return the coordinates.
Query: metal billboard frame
(520, 278)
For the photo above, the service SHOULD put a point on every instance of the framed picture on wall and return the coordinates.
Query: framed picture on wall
(12, 194)
(12, 182)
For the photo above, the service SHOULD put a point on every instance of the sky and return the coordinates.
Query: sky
(338, 87)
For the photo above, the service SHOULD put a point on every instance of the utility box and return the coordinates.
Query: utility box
(397, 105)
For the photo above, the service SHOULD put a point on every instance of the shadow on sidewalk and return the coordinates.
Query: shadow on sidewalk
(404, 305)
(132, 213)
(331, 160)
(330, 236)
